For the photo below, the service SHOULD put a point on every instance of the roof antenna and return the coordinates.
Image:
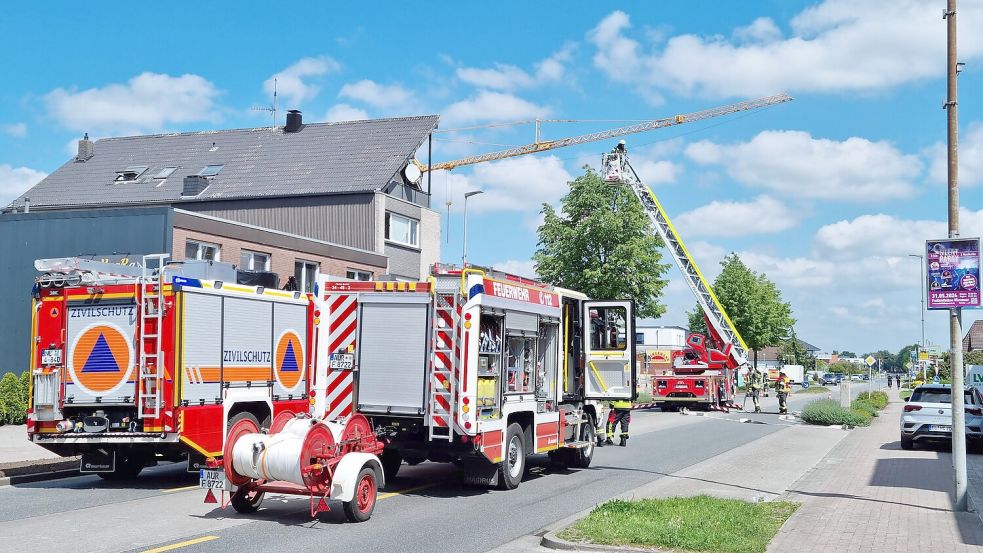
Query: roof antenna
(272, 108)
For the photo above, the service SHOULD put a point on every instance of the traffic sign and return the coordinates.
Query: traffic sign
(870, 360)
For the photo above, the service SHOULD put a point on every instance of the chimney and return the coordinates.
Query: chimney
(27, 205)
(194, 185)
(294, 121)
(86, 149)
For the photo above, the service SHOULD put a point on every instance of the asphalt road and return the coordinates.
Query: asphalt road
(426, 508)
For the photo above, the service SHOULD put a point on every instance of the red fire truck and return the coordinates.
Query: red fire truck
(473, 366)
(132, 363)
(700, 377)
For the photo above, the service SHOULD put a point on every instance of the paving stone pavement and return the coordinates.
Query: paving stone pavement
(869, 495)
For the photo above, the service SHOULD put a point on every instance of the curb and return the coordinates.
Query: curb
(552, 541)
(37, 477)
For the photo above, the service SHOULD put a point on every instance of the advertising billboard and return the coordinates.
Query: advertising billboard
(953, 273)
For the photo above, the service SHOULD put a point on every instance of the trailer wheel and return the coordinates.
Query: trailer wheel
(246, 501)
(512, 467)
(581, 457)
(360, 508)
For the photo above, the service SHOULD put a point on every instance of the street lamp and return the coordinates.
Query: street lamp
(921, 264)
(464, 253)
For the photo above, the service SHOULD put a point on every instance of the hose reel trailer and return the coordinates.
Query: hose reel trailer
(302, 456)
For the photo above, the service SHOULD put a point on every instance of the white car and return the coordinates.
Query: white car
(927, 415)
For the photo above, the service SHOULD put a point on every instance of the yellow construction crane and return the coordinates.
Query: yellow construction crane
(542, 146)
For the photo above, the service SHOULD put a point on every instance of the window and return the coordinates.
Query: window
(204, 251)
(254, 261)
(355, 274)
(402, 229)
(608, 326)
(165, 172)
(639, 337)
(305, 272)
(210, 170)
(130, 173)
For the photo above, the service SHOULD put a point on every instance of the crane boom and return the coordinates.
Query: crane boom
(543, 146)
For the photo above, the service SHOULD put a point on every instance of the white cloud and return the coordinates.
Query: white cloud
(388, 97)
(488, 106)
(970, 158)
(149, 101)
(518, 184)
(298, 82)
(17, 130)
(796, 164)
(509, 77)
(657, 172)
(14, 181)
(763, 215)
(345, 112)
(524, 268)
(822, 53)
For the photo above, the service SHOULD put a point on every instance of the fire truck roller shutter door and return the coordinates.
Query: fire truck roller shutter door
(247, 342)
(202, 347)
(515, 320)
(392, 356)
(289, 350)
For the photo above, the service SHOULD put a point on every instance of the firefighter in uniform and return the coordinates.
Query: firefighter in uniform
(783, 386)
(755, 381)
(620, 414)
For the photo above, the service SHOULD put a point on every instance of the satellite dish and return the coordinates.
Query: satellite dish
(412, 173)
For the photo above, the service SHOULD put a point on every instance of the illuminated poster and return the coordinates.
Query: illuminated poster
(953, 273)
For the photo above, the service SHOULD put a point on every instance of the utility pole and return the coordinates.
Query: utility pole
(955, 313)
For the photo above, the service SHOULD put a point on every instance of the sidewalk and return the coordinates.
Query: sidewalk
(15, 447)
(741, 473)
(868, 495)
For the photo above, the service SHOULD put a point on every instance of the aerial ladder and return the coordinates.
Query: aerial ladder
(617, 169)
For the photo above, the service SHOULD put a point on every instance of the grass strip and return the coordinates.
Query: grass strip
(700, 523)
(813, 390)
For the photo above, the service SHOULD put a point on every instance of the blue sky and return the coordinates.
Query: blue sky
(827, 195)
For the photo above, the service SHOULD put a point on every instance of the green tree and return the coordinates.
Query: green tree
(697, 322)
(973, 358)
(753, 303)
(601, 243)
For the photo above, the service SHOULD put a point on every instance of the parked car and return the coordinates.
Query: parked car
(927, 415)
(827, 379)
(839, 377)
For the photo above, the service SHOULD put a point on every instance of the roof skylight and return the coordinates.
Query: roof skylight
(165, 172)
(132, 172)
(210, 170)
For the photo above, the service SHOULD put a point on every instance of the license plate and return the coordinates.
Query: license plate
(343, 361)
(211, 479)
(51, 357)
(941, 428)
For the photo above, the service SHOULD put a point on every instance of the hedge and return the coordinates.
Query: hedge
(13, 398)
(878, 399)
(828, 412)
(865, 406)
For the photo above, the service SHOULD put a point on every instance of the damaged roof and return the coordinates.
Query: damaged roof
(320, 158)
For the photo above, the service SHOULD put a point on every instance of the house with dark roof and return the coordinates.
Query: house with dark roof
(771, 357)
(973, 340)
(298, 200)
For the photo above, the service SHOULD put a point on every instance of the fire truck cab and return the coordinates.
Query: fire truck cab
(473, 366)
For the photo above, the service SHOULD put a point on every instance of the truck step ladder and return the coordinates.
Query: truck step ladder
(618, 170)
(150, 306)
(444, 363)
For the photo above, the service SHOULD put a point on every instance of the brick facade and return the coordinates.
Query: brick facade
(281, 260)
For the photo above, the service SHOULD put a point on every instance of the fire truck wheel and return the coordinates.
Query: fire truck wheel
(247, 501)
(512, 467)
(360, 508)
(581, 457)
(391, 461)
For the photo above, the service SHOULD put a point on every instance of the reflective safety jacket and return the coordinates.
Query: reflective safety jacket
(783, 384)
(621, 404)
(755, 380)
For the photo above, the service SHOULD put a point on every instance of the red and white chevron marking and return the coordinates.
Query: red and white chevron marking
(340, 389)
(445, 337)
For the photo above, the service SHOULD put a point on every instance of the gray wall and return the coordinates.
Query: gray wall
(346, 219)
(406, 261)
(25, 237)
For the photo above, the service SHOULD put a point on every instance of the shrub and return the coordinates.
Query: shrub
(877, 399)
(13, 403)
(864, 406)
(828, 412)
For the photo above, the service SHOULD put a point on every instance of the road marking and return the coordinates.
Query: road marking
(181, 489)
(180, 544)
(407, 490)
